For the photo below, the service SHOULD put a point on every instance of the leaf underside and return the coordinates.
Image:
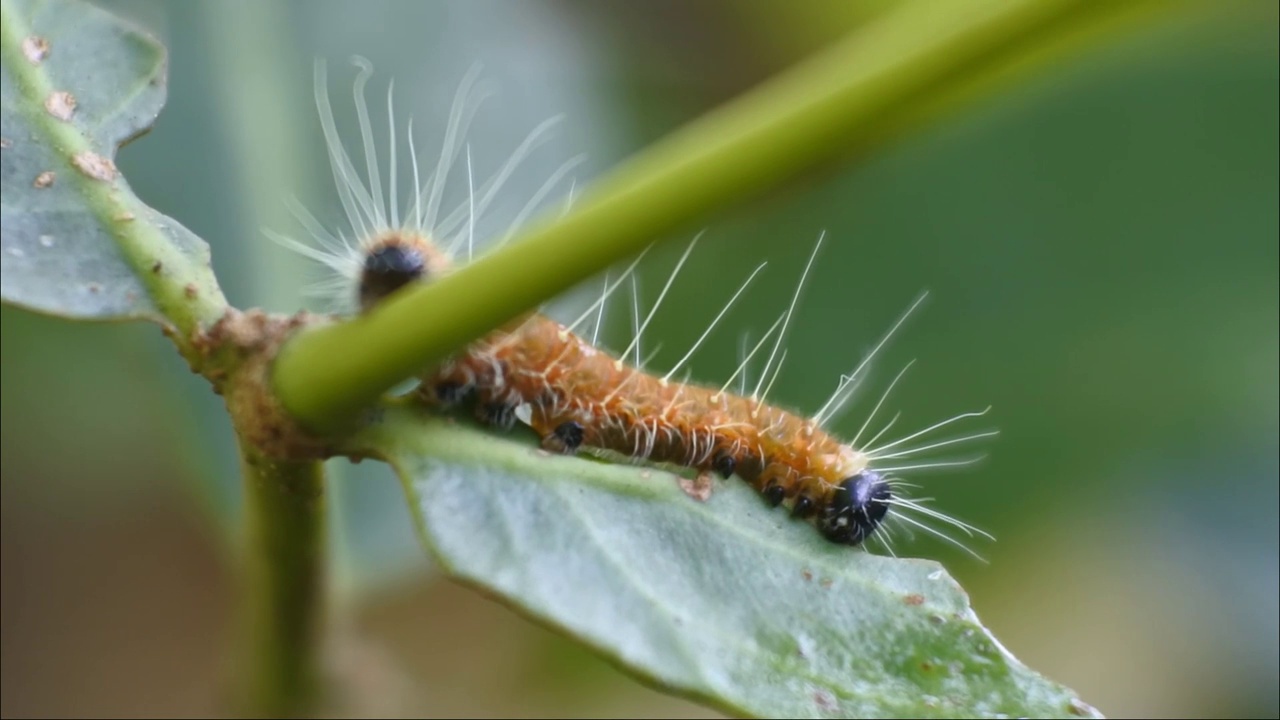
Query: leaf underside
(725, 601)
(60, 248)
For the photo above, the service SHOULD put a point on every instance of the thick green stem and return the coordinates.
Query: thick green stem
(284, 586)
(843, 102)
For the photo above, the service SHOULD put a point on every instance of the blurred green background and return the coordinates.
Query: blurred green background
(1101, 245)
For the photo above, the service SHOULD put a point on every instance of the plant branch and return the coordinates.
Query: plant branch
(842, 102)
(283, 596)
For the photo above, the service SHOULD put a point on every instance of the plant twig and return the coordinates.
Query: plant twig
(283, 612)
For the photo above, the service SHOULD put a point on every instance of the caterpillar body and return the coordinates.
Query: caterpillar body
(576, 396)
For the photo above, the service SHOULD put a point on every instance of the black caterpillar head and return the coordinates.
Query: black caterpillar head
(387, 269)
(855, 509)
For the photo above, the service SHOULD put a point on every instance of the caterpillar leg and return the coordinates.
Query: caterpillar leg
(724, 463)
(449, 393)
(774, 494)
(499, 415)
(803, 507)
(565, 438)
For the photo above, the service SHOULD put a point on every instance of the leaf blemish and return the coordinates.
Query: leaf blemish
(61, 104)
(190, 291)
(99, 168)
(824, 700)
(913, 599)
(35, 48)
(157, 266)
(698, 488)
(44, 179)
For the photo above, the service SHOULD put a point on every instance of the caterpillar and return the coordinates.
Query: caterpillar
(576, 396)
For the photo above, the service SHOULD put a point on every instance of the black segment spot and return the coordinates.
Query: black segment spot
(569, 433)
(388, 269)
(803, 507)
(773, 494)
(500, 415)
(855, 509)
(724, 464)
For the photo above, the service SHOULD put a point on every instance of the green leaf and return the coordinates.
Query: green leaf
(724, 601)
(74, 85)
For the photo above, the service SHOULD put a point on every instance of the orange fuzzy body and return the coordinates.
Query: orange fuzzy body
(558, 378)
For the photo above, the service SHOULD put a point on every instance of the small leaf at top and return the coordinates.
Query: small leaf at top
(75, 83)
(724, 601)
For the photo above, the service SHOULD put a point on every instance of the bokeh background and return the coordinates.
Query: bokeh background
(1100, 240)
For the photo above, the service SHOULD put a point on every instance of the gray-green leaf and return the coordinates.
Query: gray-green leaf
(724, 600)
(75, 83)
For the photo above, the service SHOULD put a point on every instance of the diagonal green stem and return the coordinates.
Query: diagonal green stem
(842, 102)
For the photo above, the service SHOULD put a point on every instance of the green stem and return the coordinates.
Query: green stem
(284, 585)
(842, 102)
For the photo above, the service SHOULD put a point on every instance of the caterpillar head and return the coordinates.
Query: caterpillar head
(855, 509)
(395, 260)
(387, 269)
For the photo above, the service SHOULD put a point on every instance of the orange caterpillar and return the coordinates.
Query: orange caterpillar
(579, 396)
(574, 395)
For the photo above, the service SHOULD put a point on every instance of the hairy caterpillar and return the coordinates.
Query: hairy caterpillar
(575, 396)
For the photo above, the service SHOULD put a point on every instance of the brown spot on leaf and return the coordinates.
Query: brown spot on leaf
(808, 576)
(61, 104)
(125, 217)
(190, 291)
(94, 288)
(35, 48)
(96, 167)
(826, 582)
(44, 179)
(824, 700)
(913, 599)
(157, 266)
(698, 488)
